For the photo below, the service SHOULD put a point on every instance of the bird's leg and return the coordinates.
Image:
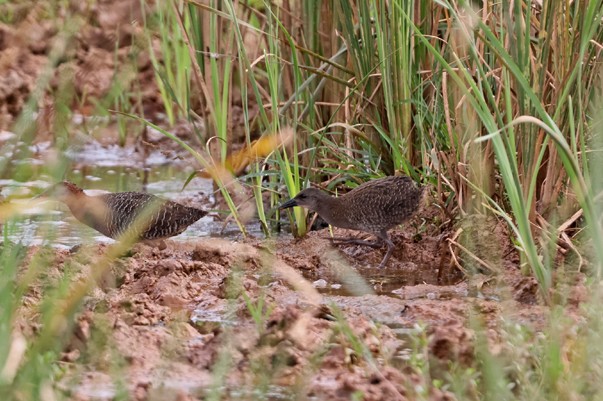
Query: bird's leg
(390, 248)
(355, 241)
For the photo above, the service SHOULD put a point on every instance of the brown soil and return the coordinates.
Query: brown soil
(89, 63)
(171, 317)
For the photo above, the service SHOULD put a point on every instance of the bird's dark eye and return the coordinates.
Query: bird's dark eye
(301, 196)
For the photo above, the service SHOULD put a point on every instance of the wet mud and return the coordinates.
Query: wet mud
(160, 322)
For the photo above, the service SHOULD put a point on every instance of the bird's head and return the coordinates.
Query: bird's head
(310, 198)
(62, 191)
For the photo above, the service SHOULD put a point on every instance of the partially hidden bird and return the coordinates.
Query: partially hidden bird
(146, 217)
(374, 207)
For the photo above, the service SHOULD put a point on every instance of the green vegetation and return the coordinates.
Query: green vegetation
(497, 109)
(494, 112)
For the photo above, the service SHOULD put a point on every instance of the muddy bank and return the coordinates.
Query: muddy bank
(236, 317)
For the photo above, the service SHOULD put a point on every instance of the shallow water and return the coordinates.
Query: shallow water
(108, 168)
(367, 281)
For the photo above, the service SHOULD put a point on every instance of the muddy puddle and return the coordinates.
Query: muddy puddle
(377, 282)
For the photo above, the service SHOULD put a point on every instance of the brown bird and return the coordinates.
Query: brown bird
(374, 207)
(115, 214)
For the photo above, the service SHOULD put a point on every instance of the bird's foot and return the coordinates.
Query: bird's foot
(388, 254)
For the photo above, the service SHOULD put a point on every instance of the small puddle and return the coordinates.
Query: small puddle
(372, 283)
(348, 271)
(390, 282)
(271, 393)
(201, 316)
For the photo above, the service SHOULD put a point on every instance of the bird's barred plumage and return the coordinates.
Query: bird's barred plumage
(117, 214)
(375, 206)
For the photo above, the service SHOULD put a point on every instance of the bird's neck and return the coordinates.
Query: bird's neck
(79, 205)
(332, 210)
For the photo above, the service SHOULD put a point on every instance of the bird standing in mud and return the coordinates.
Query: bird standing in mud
(147, 217)
(374, 207)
